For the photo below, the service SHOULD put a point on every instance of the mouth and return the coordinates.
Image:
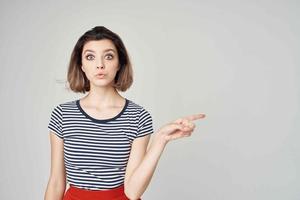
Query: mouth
(100, 75)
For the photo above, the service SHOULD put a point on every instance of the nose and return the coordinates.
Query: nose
(100, 65)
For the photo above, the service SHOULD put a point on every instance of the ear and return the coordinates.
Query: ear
(82, 68)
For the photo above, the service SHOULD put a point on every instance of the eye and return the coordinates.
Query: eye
(110, 55)
(89, 57)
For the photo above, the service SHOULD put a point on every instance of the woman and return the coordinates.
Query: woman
(99, 142)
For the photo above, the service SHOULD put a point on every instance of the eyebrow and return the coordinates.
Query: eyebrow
(103, 51)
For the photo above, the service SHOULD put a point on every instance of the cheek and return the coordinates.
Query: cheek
(113, 64)
(87, 71)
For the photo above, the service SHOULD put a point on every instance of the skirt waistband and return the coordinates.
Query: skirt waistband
(85, 194)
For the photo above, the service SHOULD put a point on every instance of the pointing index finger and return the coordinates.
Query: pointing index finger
(195, 117)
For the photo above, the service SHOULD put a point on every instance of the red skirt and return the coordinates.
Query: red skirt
(74, 193)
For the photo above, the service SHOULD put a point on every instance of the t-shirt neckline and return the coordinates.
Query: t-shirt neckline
(101, 120)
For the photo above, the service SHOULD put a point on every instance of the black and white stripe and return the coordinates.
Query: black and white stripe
(96, 151)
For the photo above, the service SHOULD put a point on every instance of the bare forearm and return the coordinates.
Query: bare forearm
(54, 191)
(142, 175)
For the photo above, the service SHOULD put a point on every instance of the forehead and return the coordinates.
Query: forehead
(99, 45)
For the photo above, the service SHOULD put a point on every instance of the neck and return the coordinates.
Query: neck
(103, 96)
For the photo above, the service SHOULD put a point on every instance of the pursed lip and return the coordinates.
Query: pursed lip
(100, 74)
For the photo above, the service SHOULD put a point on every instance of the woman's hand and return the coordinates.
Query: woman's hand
(182, 127)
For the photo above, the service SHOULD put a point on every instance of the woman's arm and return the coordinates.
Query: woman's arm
(141, 164)
(57, 182)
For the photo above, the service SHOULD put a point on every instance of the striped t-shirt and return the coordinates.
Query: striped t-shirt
(96, 151)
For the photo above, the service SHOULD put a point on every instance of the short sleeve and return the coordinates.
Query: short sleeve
(55, 123)
(145, 124)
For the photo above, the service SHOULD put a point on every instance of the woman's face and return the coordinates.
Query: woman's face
(100, 57)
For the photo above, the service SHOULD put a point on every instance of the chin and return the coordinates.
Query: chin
(102, 83)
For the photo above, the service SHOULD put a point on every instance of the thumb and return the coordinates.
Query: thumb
(174, 126)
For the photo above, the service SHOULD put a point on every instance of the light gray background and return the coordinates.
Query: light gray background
(235, 61)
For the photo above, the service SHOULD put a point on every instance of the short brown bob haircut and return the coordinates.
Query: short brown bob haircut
(77, 79)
